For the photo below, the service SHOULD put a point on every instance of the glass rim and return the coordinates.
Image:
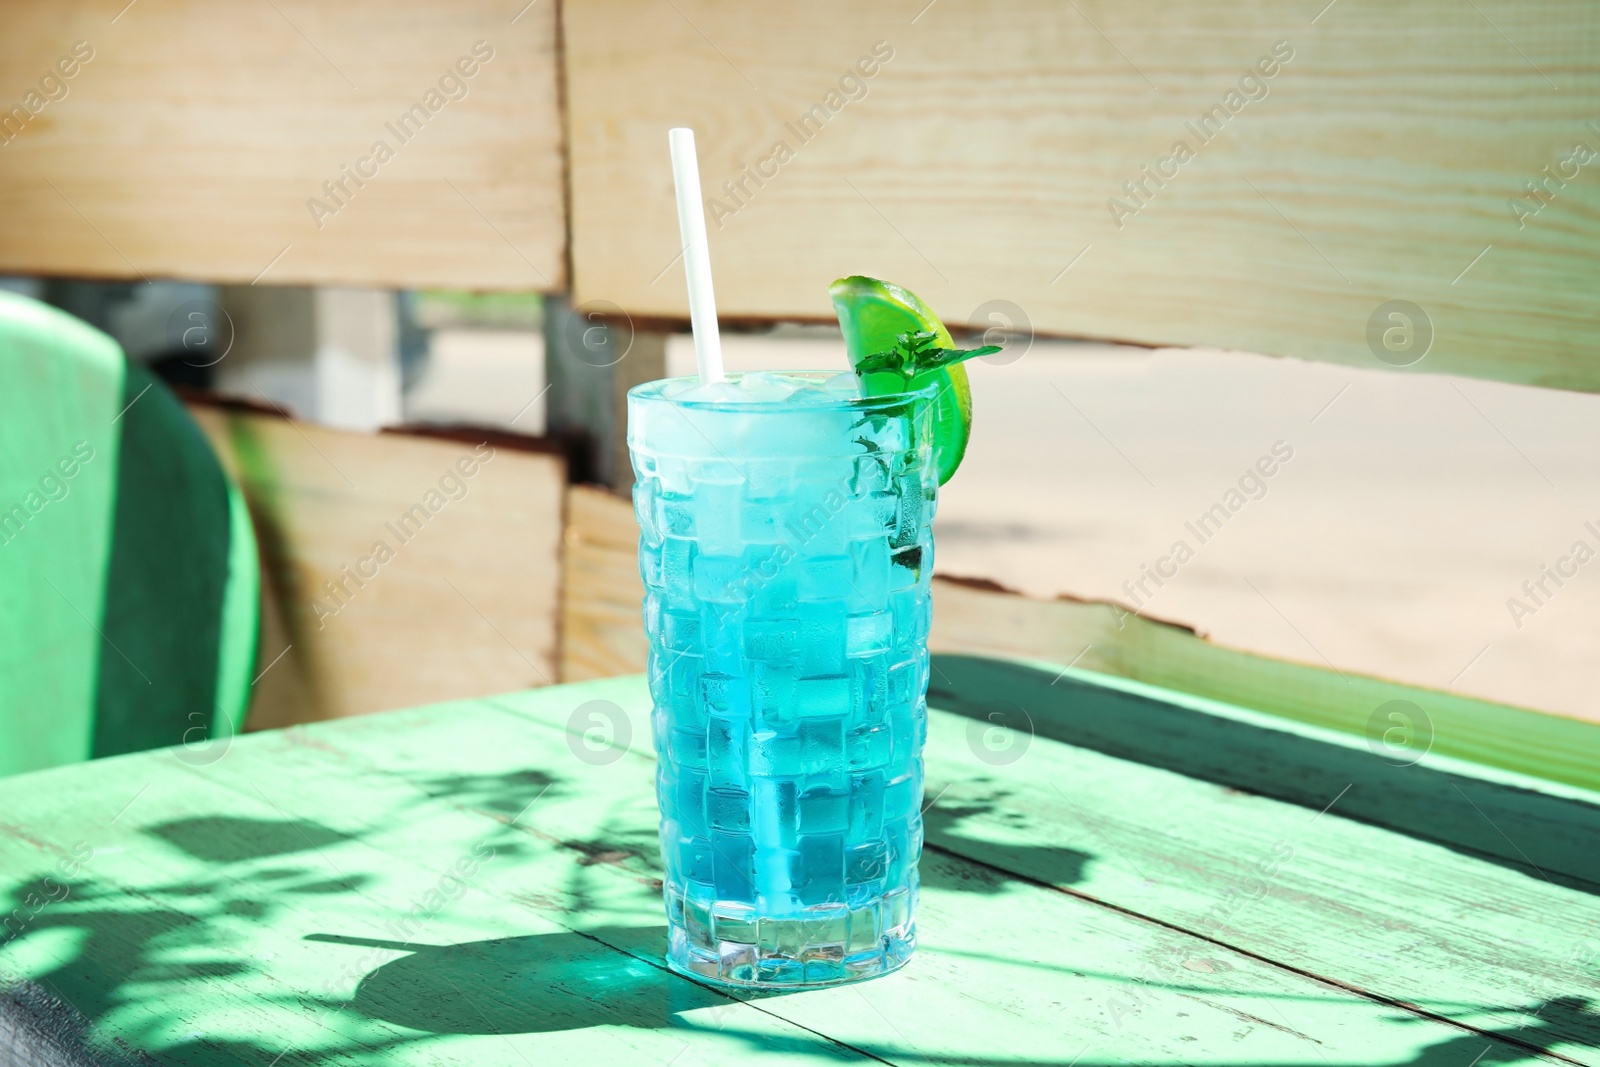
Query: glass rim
(650, 392)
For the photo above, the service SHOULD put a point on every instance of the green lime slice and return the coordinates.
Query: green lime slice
(896, 343)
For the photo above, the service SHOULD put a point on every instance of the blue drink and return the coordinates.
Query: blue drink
(786, 550)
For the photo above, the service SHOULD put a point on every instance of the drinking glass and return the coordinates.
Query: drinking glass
(786, 549)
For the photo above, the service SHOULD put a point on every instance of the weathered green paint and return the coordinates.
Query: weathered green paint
(293, 900)
(1416, 916)
(1523, 822)
(1521, 740)
(1104, 638)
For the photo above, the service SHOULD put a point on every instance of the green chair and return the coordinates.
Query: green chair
(129, 588)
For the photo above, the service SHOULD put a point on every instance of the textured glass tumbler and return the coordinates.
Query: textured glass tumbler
(786, 550)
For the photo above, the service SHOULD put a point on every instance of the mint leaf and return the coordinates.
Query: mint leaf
(944, 357)
(915, 353)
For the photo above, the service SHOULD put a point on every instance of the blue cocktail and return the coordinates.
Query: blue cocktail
(786, 550)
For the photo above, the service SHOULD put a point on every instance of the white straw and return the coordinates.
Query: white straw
(696, 255)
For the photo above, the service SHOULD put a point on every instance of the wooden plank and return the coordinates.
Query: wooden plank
(1414, 917)
(194, 141)
(603, 634)
(398, 568)
(602, 597)
(1528, 822)
(982, 619)
(210, 878)
(982, 153)
(1504, 929)
(285, 866)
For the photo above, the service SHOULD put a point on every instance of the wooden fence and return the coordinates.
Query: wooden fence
(1406, 184)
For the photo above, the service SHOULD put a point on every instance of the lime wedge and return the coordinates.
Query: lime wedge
(896, 343)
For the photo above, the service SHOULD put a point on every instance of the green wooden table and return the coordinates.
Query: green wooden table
(1131, 876)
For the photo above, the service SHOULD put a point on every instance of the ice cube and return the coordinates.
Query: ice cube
(764, 387)
(846, 384)
(711, 392)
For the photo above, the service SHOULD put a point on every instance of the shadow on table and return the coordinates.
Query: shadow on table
(942, 828)
(529, 985)
(570, 981)
(166, 945)
(145, 960)
(1556, 837)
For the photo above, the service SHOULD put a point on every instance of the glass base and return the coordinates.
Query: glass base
(787, 956)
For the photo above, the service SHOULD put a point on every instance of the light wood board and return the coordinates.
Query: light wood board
(979, 164)
(602, 595)
(466, 603)
(603, 635)
(456, 883)
(192, 142)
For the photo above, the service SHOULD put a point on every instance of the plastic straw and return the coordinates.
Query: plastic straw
(696, 255)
